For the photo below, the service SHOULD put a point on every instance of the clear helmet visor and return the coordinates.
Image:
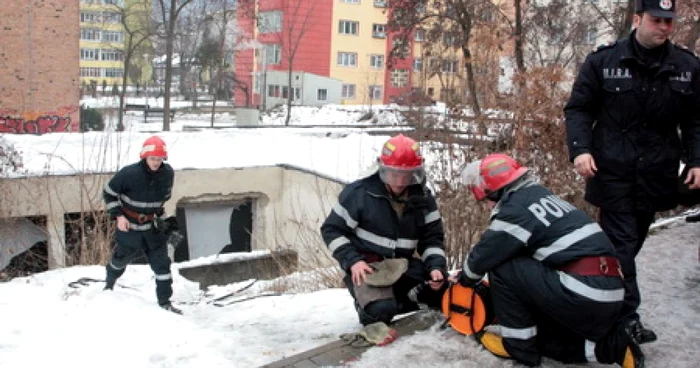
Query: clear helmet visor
(401, 177)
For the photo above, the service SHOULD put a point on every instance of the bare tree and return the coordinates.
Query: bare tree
(296, 16)
(169, 11)
(138, 30)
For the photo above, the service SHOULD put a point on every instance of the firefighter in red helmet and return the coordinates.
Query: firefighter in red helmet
(376, 227)
(135, 197)
(555, 281)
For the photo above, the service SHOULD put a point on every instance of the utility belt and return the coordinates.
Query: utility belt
(594, 266)
(138, 217)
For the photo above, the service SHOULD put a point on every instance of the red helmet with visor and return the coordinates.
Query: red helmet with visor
(400, 163)
(491, 174)
(154, 147)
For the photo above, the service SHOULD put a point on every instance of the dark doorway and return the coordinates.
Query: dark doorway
(240, 228)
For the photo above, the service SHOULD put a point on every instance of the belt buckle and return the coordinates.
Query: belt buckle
(142, 218)
(604, 266)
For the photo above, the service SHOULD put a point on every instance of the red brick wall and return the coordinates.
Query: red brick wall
(39, 72)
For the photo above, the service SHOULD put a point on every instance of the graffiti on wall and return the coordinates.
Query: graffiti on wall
(30, 122)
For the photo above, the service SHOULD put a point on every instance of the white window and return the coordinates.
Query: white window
(322, 94)
(378, 31)
(270, 21)
(114, 72)
(89, 17)
(449, 66)
(417, 64)
(90, 34)
(350, 1)
(112, 17)
(590, 36)
(91, 72)
(380, 3)
(111, 55)
(348, 27)
(297, 93)
(348, 91)
(399, 78)
(419, 35)
(375, 92)
(347, 59)
(273, 90)
(376, 61)
(89, 54)
(273, 53)
(113, 36)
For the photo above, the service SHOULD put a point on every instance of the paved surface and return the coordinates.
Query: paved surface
(340, 352)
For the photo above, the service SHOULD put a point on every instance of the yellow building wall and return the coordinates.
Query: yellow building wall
(135, 7)
(364, 45)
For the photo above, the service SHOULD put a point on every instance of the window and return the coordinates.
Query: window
(449, 66)
(380, 3)
(376, 61)
(91, 72)
(322, 94)
(112, 17)
(350, 1)
(399, 77)
(297, 93)
(417, 65)
(90, 34)
(113, 36)
(347, 59)
(89, 17)
(375, 92)
(114, 72)
(590, 36)
(270, 21)
(348, 91)
(285, 92)
(419, 35)
(89, 54)
(273, 53)
(273, 90)
(378, 31)
(114, 2)
(400, 48)
(112, 55)
(431, 91)
(348, 27)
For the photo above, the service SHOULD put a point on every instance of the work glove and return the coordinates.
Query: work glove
(377, 333)
(165, 225)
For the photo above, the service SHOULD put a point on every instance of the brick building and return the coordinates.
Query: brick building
(39, 72)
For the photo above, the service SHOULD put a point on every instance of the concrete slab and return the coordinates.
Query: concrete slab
(341, 352)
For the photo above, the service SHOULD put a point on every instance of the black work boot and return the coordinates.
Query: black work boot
(109, 285)
(640, 334)
(633, 356)
(171, 308)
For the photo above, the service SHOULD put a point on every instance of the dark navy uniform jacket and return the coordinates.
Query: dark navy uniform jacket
(364, 222)
(140, 190)
(627, 115)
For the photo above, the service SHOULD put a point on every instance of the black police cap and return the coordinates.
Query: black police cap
(657, 8)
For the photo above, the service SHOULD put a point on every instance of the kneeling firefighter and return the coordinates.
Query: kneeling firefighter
(386, 233)
(554, 280)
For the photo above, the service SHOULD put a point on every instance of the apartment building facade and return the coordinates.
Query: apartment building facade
(101, 41)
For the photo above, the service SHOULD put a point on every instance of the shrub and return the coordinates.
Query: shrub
(90, 119)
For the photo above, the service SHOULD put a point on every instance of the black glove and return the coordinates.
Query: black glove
(165, 225)
(464, 280)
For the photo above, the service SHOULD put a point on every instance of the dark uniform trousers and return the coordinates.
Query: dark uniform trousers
(627, 231)
(384, 310)
(156, 250)
(542, 317)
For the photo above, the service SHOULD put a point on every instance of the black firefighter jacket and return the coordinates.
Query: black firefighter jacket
(363, 221)
(627, 116)
(532, 222)
(140, 190)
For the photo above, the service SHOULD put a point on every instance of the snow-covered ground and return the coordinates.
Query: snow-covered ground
(46, 323)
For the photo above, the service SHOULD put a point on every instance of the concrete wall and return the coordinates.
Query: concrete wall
(289, 204)
(39, 83)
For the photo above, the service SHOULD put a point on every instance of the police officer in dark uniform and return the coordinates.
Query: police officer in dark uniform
(135, 197)
(622, 119)
(555, 283)
(389, 215)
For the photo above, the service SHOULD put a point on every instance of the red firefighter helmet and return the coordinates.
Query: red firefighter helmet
(400, 162)
(490, 174)
(154, 147)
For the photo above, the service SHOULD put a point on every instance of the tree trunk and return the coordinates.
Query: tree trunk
(290, 94)
(519, 58)
(168, 68)
(626, 25)
(471, 83)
